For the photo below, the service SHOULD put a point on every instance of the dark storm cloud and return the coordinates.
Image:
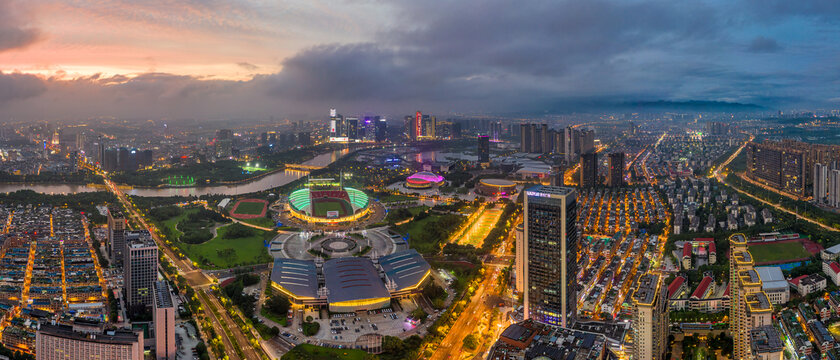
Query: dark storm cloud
(502, 56)
(20, 86)
(762, 44)
(14, 33)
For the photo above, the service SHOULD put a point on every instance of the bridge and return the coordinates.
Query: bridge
(303, 167)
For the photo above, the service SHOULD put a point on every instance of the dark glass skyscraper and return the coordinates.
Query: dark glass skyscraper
(551, 238)
(483, 149)
(589, 169)
(616, 167)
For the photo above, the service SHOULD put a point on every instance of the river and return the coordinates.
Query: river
(276, 179)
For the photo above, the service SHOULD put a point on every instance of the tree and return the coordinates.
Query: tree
(471, 342)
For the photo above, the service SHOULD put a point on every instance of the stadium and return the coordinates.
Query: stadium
(351, 284)
(495, 187)
(324, 201)
(423, 180)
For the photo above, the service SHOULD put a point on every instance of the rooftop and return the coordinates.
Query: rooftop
(743, 257)
(405, 268)
(672, 288)
(548, 191)
(352, 278)
(758, 302)
(771, 278)
(549, 342)
(766, 339)
(701, 289)
(118, 337)
(164, 298)
(300, 277)
(647, 290)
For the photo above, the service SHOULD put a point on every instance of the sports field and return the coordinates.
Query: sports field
(321, 207)
(249, 208)
(778, 251)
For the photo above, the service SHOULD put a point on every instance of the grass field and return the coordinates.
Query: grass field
(226, 253)
(778, 251)
(312, 352)
(172, 223)
(395, 198)
(321, 208)
(249, 208)
(260, 221)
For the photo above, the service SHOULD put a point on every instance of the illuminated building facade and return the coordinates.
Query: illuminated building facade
(777, 166)
(551, 240)
(140, 270)
(750, 307)
(650, 318)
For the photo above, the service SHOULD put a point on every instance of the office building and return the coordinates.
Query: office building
(568, 135)
(116, 236)
(750, 307)
(587, 141)
(519, 261)
(556, 176)
(484, 150)
(616, 169)
(416, 131)
(525, 138)
(304, 139)
(776, 166)
(650, 318)
(820, 183)
(352, 128)
(381, 129)
(589, 169)
(72, 342)
(224, 143)
(834, 188)
(551, 246)
(140, 270)
(164, 318)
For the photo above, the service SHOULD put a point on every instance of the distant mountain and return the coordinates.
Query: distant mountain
(693, 105)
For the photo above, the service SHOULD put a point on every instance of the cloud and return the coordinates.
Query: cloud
(20, 86)
(14, 33)
(762, 44)
(248, 66)
(471, 57)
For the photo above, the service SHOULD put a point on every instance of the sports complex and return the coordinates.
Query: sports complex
(351, 284)
(324, 201)
(423, 180)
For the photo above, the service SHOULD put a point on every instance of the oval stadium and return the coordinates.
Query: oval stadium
(495, 187)
(423, 180)
(336, 205)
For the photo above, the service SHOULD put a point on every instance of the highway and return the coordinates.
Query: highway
(452, 345)
(196, 279)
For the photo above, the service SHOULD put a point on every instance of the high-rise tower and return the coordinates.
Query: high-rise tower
(551, 241)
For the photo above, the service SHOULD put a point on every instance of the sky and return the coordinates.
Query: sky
(237, 59)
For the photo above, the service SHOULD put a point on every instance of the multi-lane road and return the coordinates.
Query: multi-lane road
(722, 178)
(196, 279)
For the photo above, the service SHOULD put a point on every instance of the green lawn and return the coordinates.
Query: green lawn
(273, 317)
(778, 251)
(250, 208)
(312, 352)
(321, 208)
(172, 223)
(227, 253)
(261, 221)
(394, 198)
